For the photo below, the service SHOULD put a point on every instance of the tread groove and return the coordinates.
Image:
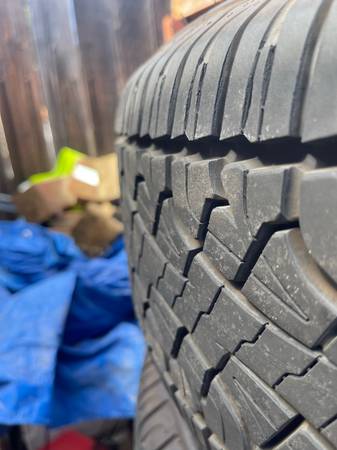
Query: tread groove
(226, 71)
(250, 82)
(177, 80)
(284, 433)
(266, 80)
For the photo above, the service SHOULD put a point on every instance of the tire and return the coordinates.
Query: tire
(157, 424)
(228, 164)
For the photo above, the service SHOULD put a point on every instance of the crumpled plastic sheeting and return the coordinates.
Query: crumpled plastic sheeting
(30, 253)
(70, 349)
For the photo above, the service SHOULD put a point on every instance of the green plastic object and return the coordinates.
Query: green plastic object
(66, 160)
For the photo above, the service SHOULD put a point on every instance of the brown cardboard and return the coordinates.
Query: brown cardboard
(96, 231)
(42, 201)
(66, 221)
(105, 185)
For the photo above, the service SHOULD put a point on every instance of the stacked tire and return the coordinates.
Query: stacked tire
(228, 167)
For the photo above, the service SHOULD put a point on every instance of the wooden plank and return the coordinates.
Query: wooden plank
(96, 38)
(134, 33)
(160, 8)
(65, 86)
(6, 168)
(115, 36)
(21, 97)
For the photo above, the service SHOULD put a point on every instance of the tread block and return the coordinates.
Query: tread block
(186, 102)
(215, 443)
(218, 66)
(279, 117)
(229, 223)
(317, 217)
(330, 350)
(283, 285)
(194, 365)
(132, 167)
(172, 74)
(317, 387)
(220, 255)
(172, 284)
(128, 218)
(200, 292)
(330, 432)
(183, 406)
(200, 428)
(252, 124)
(223, 416)
(152, 262)
(157, 172)
(320, 108)
(304, 437)
(173, 238)
(189, 414)
(142, 85)
(136, 241)
(257, 203)
(139, 297)
(274, 354)
(158, 425)
(152, 335)
(242, 73)
(263, 411)
(146, 208)
(232, 321)
(131, 89)
(168, 381)
(192, 199)
(129, 206)
(162, 59)
(272, 195)
(179, 380)
(169, 324)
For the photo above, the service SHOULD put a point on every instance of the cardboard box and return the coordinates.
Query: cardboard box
(42, 201)
(97, 229)
(92, 180)
(96, 179)
(66, 221)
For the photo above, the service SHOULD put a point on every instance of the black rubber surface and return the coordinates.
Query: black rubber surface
(158, 425)
(232, 238)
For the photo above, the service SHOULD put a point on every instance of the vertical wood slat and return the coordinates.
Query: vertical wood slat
(115, 38)
(6, 168)
(65, 87)
(94, 23)
(20, 91)
(160, 9)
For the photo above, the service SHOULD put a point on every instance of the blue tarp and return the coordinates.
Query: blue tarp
(70, 349)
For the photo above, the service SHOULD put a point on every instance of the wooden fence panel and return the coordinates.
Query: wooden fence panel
(6, 168)
(21, 99)
(63, 64)
(115, 37)
(55, 31)
(103, 73)
(160, 9)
